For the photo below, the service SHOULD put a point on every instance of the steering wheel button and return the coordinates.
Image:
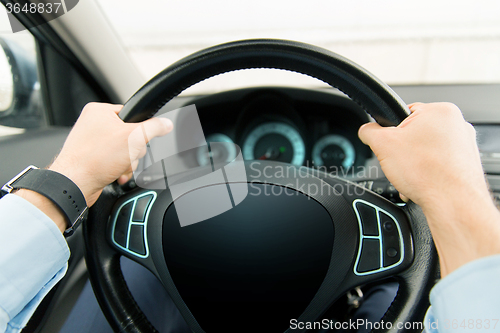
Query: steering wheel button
(136, 240)
(368, 216)
(369, 259)
(390, 240)
(122, 224)
(389, 226)
(392, 252)
(140, 208)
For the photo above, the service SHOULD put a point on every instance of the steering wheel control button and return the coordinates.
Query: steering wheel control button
(389, 226)
(386, 244)
(129, 228)
(136, 240)
(140, 208)
(369, 260)
(368, 216)
(390, 240)
(122, 224)
(391, 253)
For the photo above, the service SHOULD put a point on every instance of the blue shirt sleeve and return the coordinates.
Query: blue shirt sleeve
(33, 259)
(467, 300)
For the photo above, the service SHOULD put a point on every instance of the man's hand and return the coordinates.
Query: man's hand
(432, 158)
(97, 150)
(431, 155)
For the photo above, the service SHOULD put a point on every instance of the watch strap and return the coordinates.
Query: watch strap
(58, 188)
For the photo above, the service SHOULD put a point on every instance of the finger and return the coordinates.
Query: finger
(142, 152)
(143, 132)
(127, 175)
(116, 108)
(413, 106)
(156, 127)
(124, 178)
(404, 198)
(134, 165)
(368, 132)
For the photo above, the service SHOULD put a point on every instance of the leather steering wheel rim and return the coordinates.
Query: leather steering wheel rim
(380, 101)
(374, 96)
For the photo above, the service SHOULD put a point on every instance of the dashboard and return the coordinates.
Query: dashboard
(301, 127)
(312, 128)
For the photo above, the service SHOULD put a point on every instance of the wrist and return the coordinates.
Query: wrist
(465, 204)
(76, 176)
(46, 206)
(53, 193)
(464, 229)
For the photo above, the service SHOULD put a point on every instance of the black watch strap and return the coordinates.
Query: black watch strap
(56, 187)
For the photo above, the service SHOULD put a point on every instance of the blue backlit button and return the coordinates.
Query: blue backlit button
(390, 240)
(368, 217)
(369, 259)
(140, 208)
(136, 240)
(122, 223)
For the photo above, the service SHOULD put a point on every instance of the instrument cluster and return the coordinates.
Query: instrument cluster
(300, 127)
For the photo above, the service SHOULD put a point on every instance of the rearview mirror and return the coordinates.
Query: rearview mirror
(19, 87)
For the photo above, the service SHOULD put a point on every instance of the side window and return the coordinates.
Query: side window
(21, 105)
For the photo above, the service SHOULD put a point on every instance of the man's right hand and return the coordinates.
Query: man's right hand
(432, 158)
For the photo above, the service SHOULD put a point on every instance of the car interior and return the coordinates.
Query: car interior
(309, 119)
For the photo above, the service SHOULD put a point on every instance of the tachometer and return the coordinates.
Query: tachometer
(218, 153)
(334, 151)
(275, 141)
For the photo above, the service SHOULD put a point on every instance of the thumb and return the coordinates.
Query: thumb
(369, 132)
(145, 132)
(156, 127)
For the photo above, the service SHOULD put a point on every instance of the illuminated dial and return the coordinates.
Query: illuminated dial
(218, 153)
(275, 141)
(334, 151)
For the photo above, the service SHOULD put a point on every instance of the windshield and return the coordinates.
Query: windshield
(402, 42)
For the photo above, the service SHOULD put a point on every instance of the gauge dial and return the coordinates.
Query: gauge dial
(334, 151)
(219, 153)
(275, 141)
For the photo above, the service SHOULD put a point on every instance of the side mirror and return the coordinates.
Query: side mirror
(20, 104)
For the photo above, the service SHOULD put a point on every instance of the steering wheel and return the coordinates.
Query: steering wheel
(270, 258)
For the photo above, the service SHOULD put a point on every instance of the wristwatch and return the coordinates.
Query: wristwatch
(58, 188)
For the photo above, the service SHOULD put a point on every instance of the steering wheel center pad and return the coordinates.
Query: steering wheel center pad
(260, 262)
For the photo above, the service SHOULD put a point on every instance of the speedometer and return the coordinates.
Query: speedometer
(334, 151)
(219, 153)
(275, 141)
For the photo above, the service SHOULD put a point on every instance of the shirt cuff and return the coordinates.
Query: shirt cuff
(468, 296)
(17, 323)
(34, 255)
